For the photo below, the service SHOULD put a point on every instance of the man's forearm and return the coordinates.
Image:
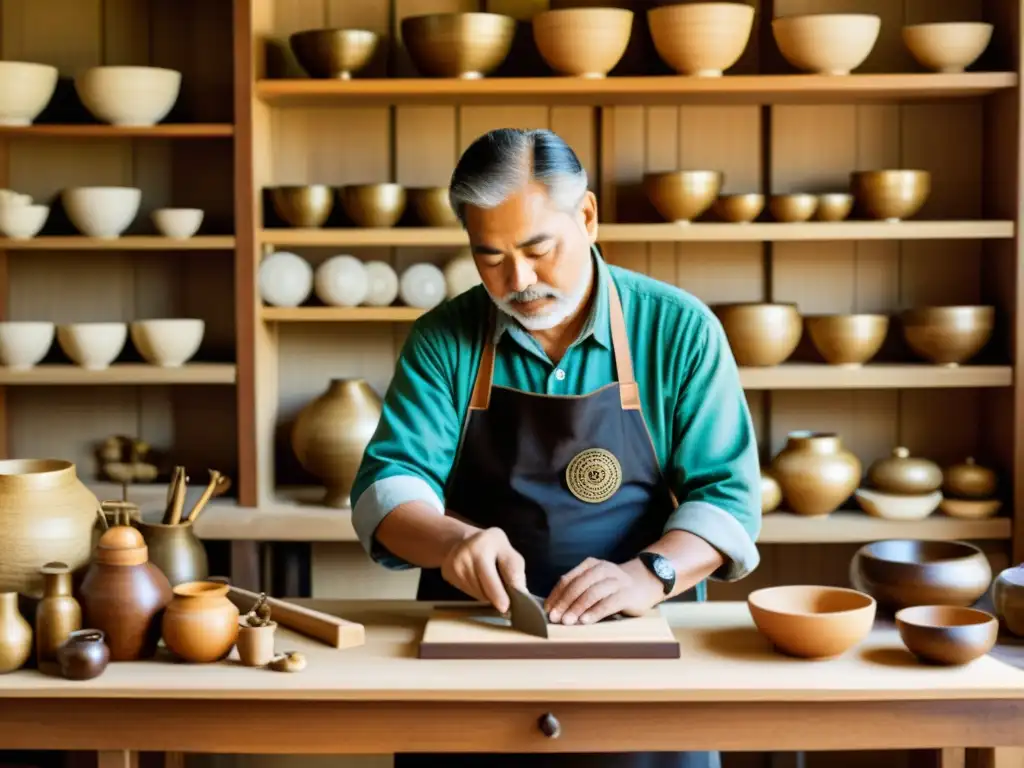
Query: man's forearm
(416, 533)
(693, 558)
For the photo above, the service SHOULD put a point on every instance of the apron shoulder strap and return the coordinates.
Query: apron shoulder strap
(481, 397)
(629, 394)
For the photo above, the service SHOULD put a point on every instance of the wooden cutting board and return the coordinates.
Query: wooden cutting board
(479, 633)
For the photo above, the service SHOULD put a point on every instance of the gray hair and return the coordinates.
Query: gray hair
(503, 161)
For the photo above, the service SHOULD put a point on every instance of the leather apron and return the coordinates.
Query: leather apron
(566, 478)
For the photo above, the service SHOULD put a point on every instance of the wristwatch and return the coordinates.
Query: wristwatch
(661, 567)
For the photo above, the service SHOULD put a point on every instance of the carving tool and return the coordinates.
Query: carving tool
(527, 612)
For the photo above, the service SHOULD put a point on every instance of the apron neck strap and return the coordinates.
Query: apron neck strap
(629, 395)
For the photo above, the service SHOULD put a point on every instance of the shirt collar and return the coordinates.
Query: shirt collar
(598, 324)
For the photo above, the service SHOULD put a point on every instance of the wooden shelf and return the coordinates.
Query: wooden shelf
(875, 376)
(101, 131)
(125, 243)
(120, 373)
(340, 314)
(652, 90)
(665, 233)
(857, 527)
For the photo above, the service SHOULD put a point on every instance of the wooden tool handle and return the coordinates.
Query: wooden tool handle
(315, 624)
(179, 498)
(207, 495)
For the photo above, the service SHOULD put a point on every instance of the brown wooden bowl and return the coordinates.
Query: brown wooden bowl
(739, 209)
(682, 196)
(463, 45)
(432, 206)
(373, 205)
(760, 334)
(901, 573)
(947, 46)
(792, 209)
(834, 206)
(701, 39)
(811, 621)
(583, 42)
(333, 53)
(948, 336)
(947, 634)
(306, 206)
(847, 340)
(891, 195)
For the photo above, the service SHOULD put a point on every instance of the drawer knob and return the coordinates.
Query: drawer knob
(550, 726)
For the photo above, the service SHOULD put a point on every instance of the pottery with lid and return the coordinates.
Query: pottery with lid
(902, 473)
(970, 480)
(124, 595)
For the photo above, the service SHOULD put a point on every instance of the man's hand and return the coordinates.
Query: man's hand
(482, 563)
(596, 589)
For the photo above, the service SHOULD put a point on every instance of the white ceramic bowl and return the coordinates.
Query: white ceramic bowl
(827, 43)
(177, 223)
(423, 286)
(947, 46)
(23, 344)
(383, 284)
(25, 90)
(92, 345)
(21, 222)
(341, 281)
(103, 212)
(285, 279)
(129, 95)
(10, 197)
(168, 343)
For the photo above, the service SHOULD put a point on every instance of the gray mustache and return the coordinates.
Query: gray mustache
(533, 293)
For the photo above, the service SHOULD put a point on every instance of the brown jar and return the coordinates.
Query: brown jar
(124, 595)
(201, 623)
(58, 613)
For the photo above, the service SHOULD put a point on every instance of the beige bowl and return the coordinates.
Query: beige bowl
(583, 42)
(760, 335)
(168, 343)
(702, 39)
(102, 212)
(947, 46)
(21, 222)
(24, 344)
(847, 340)
(682, 196)
(92, 345)
(970, 509)
(834, 206)
(891, 195)
(464, 45)
(129, 95)
(792, 209)
(827, 43)
(740, 208)
(25, 90)
(948, 335)
(811, 621)
(178, 223)
(895, 506)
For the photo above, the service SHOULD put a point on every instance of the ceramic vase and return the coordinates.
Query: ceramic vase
(201, 623)
(816, 473)
(57, 615)
(46, 515)
(176, 551)
(332, 432)
(15, 634)
(124, 595)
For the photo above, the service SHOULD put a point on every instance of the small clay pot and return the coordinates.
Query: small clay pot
(256, 645)
(905, 475)
(815, 472)
(84, 656)
(201, 624)
(771, 493)
(970, 481)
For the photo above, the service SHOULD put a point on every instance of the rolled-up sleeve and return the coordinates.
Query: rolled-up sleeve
(411, 453)
(714, 463)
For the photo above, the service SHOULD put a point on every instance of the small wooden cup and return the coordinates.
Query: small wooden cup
(256, 644)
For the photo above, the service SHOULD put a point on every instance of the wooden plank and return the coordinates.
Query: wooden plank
(58, 374)
(331, 630)
(124, 243)
(102, 131)
(340, 314)
(857, 527)
(806, 376)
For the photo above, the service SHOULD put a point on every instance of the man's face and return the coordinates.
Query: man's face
(534, 259)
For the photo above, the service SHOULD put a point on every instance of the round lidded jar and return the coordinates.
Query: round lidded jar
(901, 473)
(970, 480)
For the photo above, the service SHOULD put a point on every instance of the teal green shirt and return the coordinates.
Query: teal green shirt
(689, 387)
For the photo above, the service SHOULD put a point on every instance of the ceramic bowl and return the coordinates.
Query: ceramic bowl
(847, 340)
(811, 621)
(760, 334)
(897, 506)
(9, 197)
(22, 222)
(102, 212)
(900, 573)
(946, 634)
(827, 43)
(422, 286)
(168, 343)
(93, 346)
(177, 223)
(739, 209)
(970, 509)
(948, 335)
(891, 195)
(23, 344)
(305, 205)
(969, 480)
(333, 53)
(1008, 599)
(833, 206)
(432, 207)
(285, 279)
(125, 95)
(341, 281)
(771, 493)
(382, 284)
(702, 39)
(682, 196)
(25, 89)
(373, 205)
(947, 46)
(463, 45)
(583, 42)
(793, 208)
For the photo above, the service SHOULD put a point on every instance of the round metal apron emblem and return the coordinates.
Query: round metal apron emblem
(594, 475)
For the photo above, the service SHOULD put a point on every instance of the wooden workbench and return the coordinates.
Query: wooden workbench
(730, 688)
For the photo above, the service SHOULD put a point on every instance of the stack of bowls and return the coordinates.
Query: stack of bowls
(20, 219)
(901, 487)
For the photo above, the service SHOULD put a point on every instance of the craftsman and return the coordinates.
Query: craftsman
(569, 427)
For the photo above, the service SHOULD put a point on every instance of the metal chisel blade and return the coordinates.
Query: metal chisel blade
(527, 612)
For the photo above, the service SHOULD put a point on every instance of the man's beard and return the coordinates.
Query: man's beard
(561, 308)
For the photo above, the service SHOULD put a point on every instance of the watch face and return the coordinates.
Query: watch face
(663, 568)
